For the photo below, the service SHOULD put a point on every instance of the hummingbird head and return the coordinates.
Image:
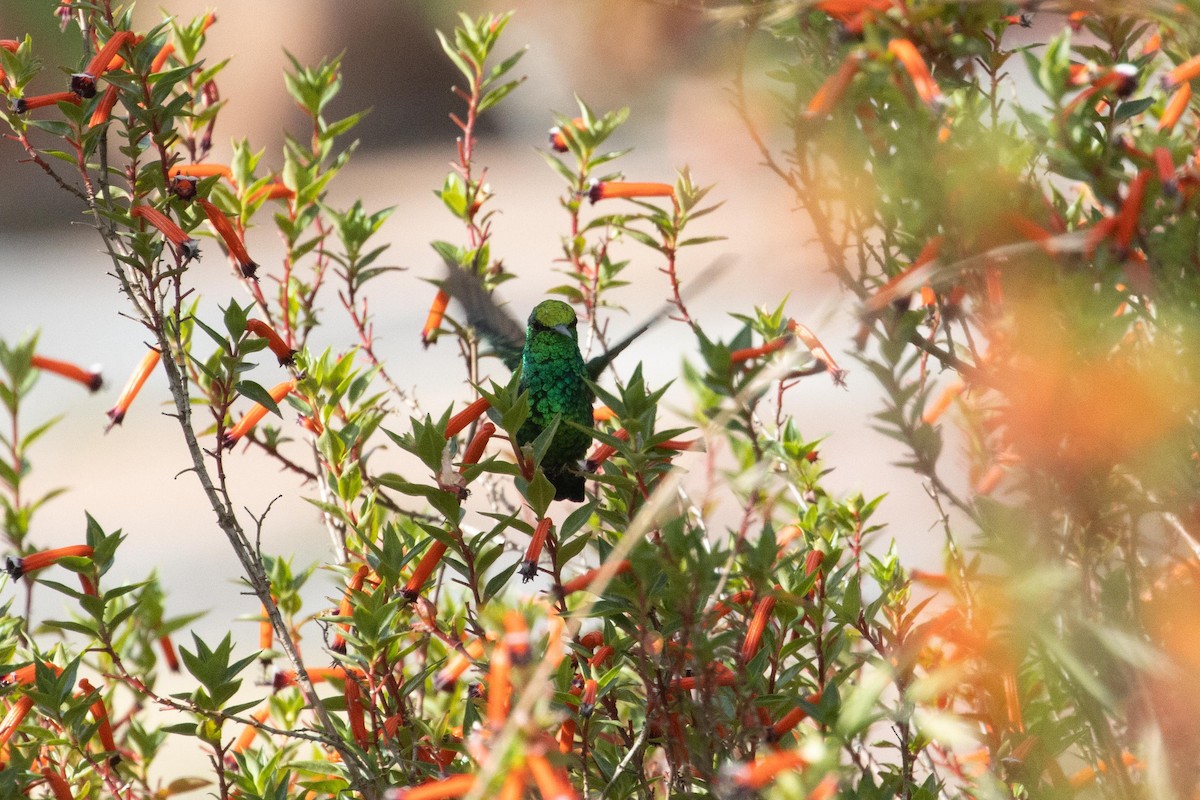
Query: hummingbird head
(553, 315)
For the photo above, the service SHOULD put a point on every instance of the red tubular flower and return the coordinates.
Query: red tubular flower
(1165, 165)
(441, 789)
(516, 637)
(104, 727)
(26, 675)
(345, 608)
(791, 719)
(16, 567)
(465, 417)
(354, 713)
(558, 139)
(606, 190)
(927, 89)
(185, 246)
(424, 569)
(762, 772)
(587, 703)
(287, 677)
(160, 58)
(566, 736)
(285, 354)
(1182, 73)
(57, 784)
(1131, 209)
(1175, 108)
(84, 83)
(592, 639)
(585, 580)
(22, 104)
(255, 414)
(13, 719)
(748, 353)
(513, 787)
(90, 378)
(758, 624)
(104, 108)
(499, 687)
(834, 87)
(602, 654)
(458, 664)
(604, 452)
(117, 413)
(818, 351)
(723, 607)
(168, 651)
(224, 228)
(433, 321)
(717, 675)
(529, 566)
(477, 445)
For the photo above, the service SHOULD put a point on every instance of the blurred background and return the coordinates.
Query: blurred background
(672, 67)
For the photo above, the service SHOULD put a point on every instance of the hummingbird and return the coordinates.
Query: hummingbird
(553, 372)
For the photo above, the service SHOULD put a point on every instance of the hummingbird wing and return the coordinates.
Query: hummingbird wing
(599, 363)
(498, 328)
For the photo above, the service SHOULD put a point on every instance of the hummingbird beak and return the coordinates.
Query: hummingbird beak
(563, 329)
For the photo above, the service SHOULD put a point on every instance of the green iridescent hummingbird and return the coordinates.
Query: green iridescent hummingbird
(553, 372)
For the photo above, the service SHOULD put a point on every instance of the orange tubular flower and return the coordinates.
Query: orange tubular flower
(516, 637)
(759, 774)
(514, 785)
(1175, 108)
(558, 140)
(459, 665)
(345, 608)
(437, 310)
(606, 190)
(224, 229)
(552, 784)
(834, 87)
(477, 445)
(748, 353)
(927, 89)
(201, 171)
(285, 354)
(117, 413)
(354, 713)
(465, 417)
(90, 378)
(443, 789)
(266, 633)
(499, 687)
(16, 567)
(58, 784)
(818, 351)
(100, 715)
(104, 108)
(168, 651)
(287, 677)
(1165, 166)
(758, 624)
(604, 452)
(160, 58)
(187, 247)
(601, 655)
(603, 414)
(255, 414)
(13, 719)
(272, 191)
(791, 719)
(529, 566)
(424, 569)
(246, 737)
(585, 580)
(1182, 74)
(84, 83)
(592, 639)
(1087, 775)
(943, 401)
(26, 675)
(22, 104)
(720, 675)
